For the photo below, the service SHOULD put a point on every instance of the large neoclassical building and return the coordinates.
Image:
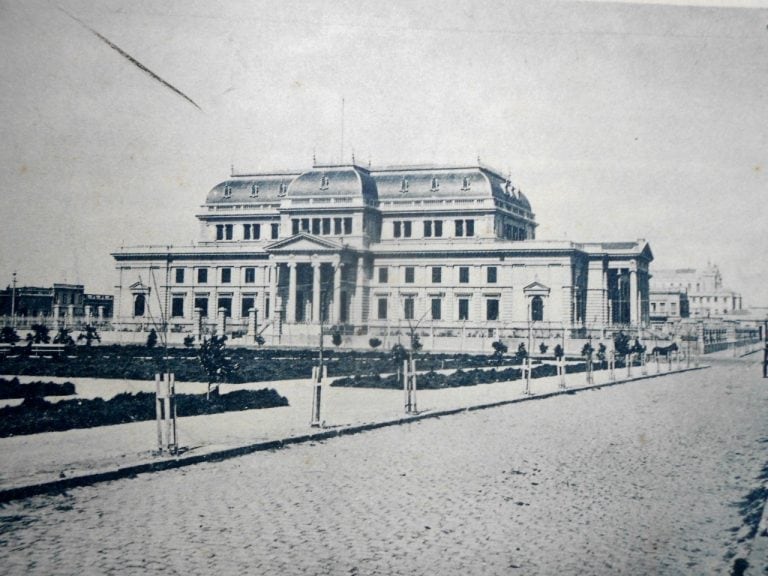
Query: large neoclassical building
(450, 248)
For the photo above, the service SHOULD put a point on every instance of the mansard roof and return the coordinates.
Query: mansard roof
(385, 183)
(254, 188)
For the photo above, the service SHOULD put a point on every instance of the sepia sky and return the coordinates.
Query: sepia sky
(619, 121)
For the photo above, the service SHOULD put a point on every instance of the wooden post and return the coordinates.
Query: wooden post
(612, 365)
(406, 390)
(165, 412)
(561, 371)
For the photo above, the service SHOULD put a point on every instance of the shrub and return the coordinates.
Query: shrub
(8, 335)
(499, 349)
(152, 338)
(543, 348)
(14, 389)
(374, 343)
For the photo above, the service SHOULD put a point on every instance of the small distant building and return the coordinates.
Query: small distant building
(668, 306)
(35, 301)
(707, 297)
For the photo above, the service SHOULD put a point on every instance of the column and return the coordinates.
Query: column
(633, 318)
(316, 304)
(221, 321)
(71, 316)
(291, 305)
(56, 316)
(361, 288)
(88, 315)
(337, 294)
(101, 314)
(273, 272)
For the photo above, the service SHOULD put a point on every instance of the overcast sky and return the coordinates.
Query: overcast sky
(619, 121)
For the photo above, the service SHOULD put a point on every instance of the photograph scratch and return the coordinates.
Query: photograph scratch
(131, 59)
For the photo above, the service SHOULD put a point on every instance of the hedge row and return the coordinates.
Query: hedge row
(433, 381)
(36, 415)
(141, 363)
(14, 389)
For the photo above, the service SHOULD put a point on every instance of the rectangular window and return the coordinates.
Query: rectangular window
(202, 275)
(653, 306)
(347, 225)
(228, 231)
(337, 226)
(316, 226)
(407, 229)
(202, 303)
(250, 275)
(437, 274)
(295, 226)
(226, 275)
(673, 308)
(408, 308)
(491, 309)
(436, 311)
(326, 226)
(179, 275)
(459, 227)
(177, 306)
(463, 308)
(275, 231)
(256, 231)
(464, 274)
(382, 309)
(305, 224)
(226, 303)
(219, 232)
(383, 275)
(397, 229)
(409, 275)
(491, 274)
(266, 305)
(248, 302)
(470, 227)
(427, 228)
(438, 228)
(246, 231)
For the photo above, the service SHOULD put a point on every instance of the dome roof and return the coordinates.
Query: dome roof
(334, 181)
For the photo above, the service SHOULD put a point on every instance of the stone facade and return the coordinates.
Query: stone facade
(449, 248)
(707, 297)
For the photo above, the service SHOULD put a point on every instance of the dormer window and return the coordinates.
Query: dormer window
(254, 190)
(227, 191)
(404, 185)
(465, 183)
(324, 182)
(435, 184)
(283, 189)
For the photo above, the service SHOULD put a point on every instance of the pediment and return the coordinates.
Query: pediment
(536, 288)
(139, 287)
(304, 242)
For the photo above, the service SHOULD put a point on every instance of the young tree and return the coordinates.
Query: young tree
(189, 341)
(336, 338)
(399, 355)
(499, 349)
(521, 353)
(152, 338)
(39, 335)
(89, 336)
(8, 335)
(216, 365)
(374, 343)
(559, 352)
(543, 348)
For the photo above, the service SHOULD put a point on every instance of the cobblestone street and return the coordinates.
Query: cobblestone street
(643, 478)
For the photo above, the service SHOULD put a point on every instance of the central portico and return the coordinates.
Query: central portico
(319, 280)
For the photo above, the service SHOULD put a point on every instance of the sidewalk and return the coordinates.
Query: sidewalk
(58, 460)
